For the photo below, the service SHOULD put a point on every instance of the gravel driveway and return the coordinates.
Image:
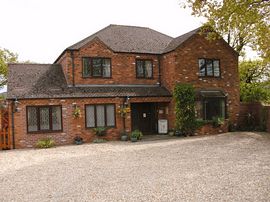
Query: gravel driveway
(226, 167)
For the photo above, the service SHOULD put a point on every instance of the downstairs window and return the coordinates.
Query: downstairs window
(44, 118)
(211, 104)
(100, 115)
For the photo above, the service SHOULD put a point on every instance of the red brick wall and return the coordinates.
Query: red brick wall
(181, 66)
(71, 126)
(123, 65)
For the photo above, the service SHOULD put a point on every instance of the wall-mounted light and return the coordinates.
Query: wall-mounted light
(16, 104)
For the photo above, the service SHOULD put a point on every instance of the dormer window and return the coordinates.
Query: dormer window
(144, 69)
(96, 67)
(209, 68)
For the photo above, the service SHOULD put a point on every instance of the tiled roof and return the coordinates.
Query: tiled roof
(129, 39)
(27, 81)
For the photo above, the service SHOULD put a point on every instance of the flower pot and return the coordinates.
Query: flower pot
(124, 138)
(133, 139)
(78, 142)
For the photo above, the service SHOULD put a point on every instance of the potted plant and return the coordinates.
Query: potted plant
(124, 136)
(136, 135)
(78, 140)
(100, 131)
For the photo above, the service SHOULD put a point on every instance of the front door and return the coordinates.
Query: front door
(143, 117)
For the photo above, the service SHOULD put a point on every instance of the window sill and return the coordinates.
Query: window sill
(44, 132)
(96, 77)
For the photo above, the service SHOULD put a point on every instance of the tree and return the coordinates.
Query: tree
(254, 81)
(242, 23)
(6, 57)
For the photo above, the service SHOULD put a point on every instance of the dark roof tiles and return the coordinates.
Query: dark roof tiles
(27, 81)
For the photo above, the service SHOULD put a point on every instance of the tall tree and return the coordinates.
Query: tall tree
(241, 22)
(254, 81)
(6, 57)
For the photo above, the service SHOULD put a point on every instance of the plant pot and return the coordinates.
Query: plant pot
(78, 142)
(124, 138)
(133, 139)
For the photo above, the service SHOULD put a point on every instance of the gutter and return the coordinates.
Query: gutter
(159, 70)
(12, 128)
(73, 68)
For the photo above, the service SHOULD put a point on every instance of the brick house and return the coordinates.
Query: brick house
(121, 66)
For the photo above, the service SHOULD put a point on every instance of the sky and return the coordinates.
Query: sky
(39, 30)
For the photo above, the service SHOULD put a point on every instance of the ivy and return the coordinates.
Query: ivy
(184, 95)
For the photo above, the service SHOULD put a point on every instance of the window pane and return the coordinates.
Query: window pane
(201, 67)
(97, 67)
(139, 68)
(90, 116)
(106, 67)
(214, 107)
(86, 67)
(56, 118)
(44, 114)
(32, 119)
(209, 67)
(148, 69)
(100, 115)
(110, 115)
(216, 68)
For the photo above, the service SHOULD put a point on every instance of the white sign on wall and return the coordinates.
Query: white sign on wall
(162, 126)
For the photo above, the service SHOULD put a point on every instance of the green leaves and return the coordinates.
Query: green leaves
(241, 22)
(6, 57)
(184, 95)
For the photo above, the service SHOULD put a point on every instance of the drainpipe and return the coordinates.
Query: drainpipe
(159, 72)
(73, 67)
(12, 122)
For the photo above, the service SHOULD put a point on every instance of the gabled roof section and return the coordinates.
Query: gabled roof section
(32, 81)
(130, 39)
(179, 40)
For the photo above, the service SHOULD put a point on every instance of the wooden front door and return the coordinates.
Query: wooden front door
(143, 117)
(5, 141)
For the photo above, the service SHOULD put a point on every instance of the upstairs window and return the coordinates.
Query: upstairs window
(144, 69)
(44, 118)
(209, 68)
(96, 67)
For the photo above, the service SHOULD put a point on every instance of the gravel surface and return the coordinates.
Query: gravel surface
(226, 167)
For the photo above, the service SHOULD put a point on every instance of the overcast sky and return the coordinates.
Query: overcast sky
(39, 30)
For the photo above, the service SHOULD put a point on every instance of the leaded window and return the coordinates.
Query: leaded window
(209, 67)
(144, 68)
(96, 67)
(100, 115)
(44, 118)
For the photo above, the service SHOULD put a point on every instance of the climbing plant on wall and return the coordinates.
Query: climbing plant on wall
(184, 95)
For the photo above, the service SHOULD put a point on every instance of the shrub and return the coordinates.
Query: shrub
(99, 140)
(100, 131)
(45, 143)
(184, 95)
(217, 121)
(136, 134)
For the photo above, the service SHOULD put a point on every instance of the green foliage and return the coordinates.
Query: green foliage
(184, 95)
(100, 131)
(254, 81)
(136, 134)
(6, 57)
(217, 121)
(242, 23)
(200, 123)
(45, 143)
(99, 140)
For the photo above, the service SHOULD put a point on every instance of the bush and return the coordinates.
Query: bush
(100, 131)
(184, 95)
(45, 143)
(99, 140)
(136, 134)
